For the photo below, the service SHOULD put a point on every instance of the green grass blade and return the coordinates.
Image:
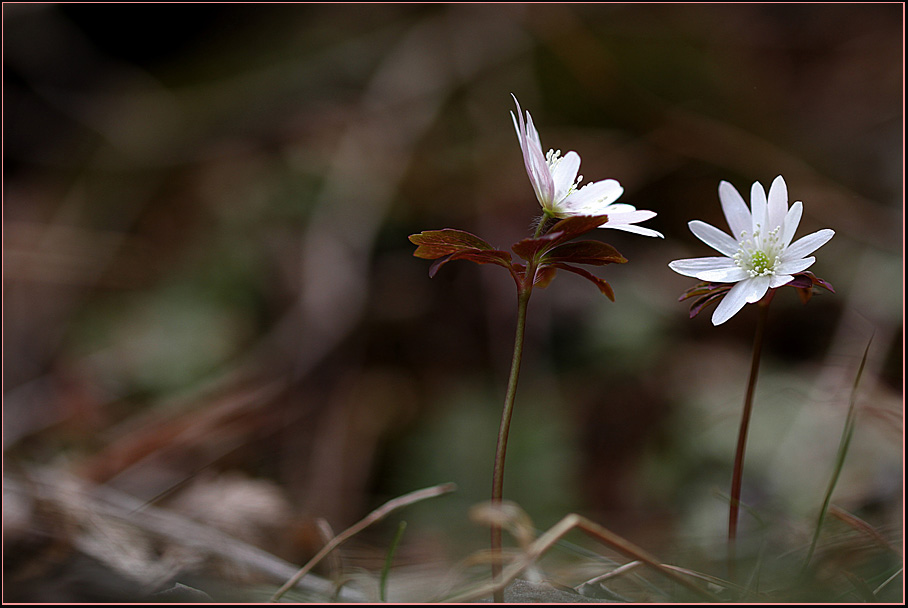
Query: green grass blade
(389, 559)
(847, 433)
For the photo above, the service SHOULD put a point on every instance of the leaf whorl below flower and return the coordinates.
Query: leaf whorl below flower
(707, 293)
(546, 253)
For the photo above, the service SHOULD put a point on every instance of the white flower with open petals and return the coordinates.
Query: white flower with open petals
(760, 255)
(557, 185)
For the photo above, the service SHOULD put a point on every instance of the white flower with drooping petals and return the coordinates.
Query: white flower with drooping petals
(760, 256)
(557, 185)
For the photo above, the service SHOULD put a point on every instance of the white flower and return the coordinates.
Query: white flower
(555, 180)
(761, 255)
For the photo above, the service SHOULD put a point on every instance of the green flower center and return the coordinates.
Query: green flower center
(759, 262)
(759, 255)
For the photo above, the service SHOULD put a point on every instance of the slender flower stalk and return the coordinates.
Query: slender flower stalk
(501, 449)
(523, 299)
(552, 248)
(738, 469)
(759, 257)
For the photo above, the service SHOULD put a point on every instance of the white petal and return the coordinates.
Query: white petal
(733, 301)
(620, 208)
(517, 127)
(735, 209)
(757, 288)
(714, 237)
(790, 223)
(592, 199)
(532, 133)
(630, 217)
(691, 267)
(758, 208)
(724, 275)
(542, 180)
(780, 279)
(521, 137)
(564, 174)
(795, 265)
(633, 228)
(540, 176)
(622, 217)
(807, 245)
(778, 202)
(533, 158)
(521, 134)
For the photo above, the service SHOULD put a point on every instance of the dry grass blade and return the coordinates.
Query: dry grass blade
(326, 533)
(862, 526)
(373, 517)
(894, 576)
(559, 530)
(82, 501)
(713, 580)
(619, 571)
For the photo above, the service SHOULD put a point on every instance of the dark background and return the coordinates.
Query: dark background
(208, 283)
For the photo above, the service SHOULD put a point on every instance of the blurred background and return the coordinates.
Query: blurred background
(210, 303)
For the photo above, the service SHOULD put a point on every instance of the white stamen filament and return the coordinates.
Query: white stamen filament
(552, 158)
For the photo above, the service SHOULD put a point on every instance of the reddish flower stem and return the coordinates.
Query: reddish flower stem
(523, 298)
(737, 474)
(502, 447)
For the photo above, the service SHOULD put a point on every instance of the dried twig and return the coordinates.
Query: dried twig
(554, 534)
(373, 517)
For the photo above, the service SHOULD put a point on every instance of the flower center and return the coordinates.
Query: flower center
(760, 254)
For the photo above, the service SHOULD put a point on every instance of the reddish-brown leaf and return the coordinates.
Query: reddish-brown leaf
(699, 289)
(603, 285)
(562, 232)
(432, 244)
(544, 276)
(494, 256)
(711, 298)
(572, 227)
(800, 281)
(805, 283)
(530, 248)
(823, 283)
(584, 252)
(806, 280)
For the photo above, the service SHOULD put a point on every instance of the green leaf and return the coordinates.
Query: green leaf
(602, 284)
(584, 252)
(432, 244)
